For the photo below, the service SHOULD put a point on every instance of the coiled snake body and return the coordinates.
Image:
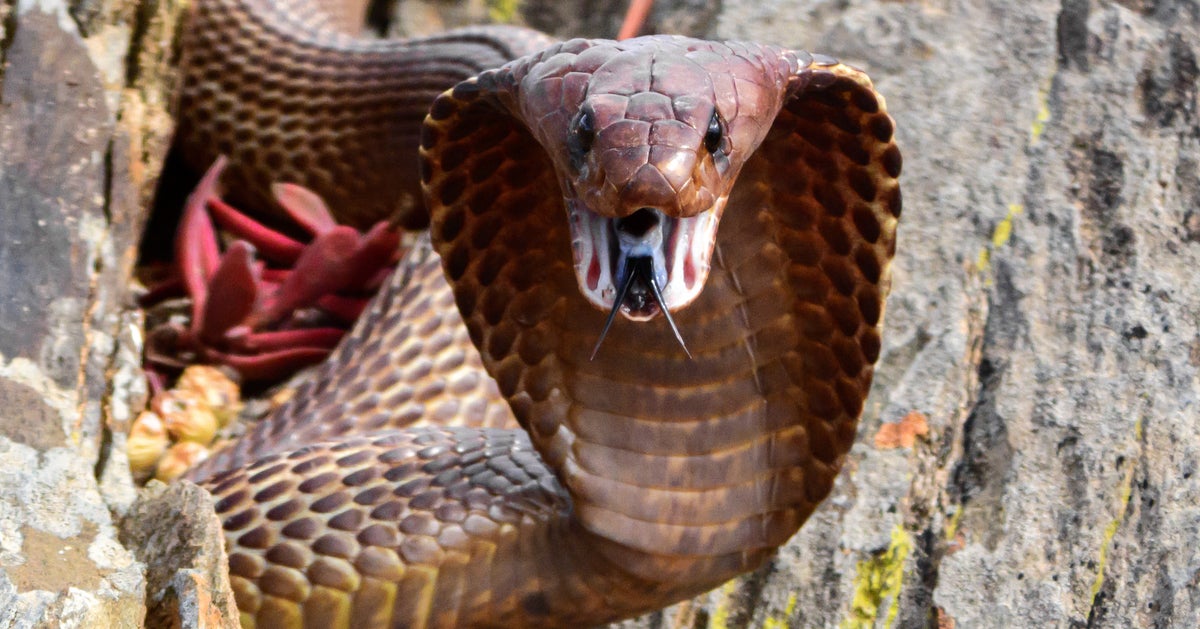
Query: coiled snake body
(395, 488)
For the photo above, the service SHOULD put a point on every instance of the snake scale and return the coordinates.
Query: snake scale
(462, 459)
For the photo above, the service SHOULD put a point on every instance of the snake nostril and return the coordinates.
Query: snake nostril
(638, 223)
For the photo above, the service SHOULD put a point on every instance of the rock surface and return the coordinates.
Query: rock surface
(72, 186)
(1028, 456)
(1043, 320)
(175, 532)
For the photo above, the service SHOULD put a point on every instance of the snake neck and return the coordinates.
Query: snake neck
(679, 469)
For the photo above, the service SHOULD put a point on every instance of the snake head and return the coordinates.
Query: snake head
(647, 137)
(641, 144)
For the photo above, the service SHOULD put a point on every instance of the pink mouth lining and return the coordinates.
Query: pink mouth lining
(593, 246)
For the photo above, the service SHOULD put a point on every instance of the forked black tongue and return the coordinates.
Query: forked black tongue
(639, 267)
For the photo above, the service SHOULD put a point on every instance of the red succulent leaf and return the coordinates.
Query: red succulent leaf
(238, 305)
(270, 365)
(168, 288)
(372, 285)
(346, 309)
(275, 276)
(196, 252)
(156, 380)
(232, 294)
(377, 249)
(319, 338)
(305, 207)
(320, 270)
(169, 345)
(273, 245)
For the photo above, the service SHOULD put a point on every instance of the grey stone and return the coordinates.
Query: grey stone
(70, 208)
(177, 535)
(1043, 317)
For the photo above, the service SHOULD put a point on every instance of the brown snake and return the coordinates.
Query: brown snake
(393, 489)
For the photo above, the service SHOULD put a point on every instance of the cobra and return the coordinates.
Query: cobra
(470, 456)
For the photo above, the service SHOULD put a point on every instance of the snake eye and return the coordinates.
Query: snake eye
(712, 137)
(583, 132)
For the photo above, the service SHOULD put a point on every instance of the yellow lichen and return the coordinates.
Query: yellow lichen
(953, 522)
(1110, 530)
(984, 261)
(878, 581)
(503, 11)
(781, 622)
(1003, 231)
(1043, 113)
(1039, 122)
(1000, 237)
(720, 614)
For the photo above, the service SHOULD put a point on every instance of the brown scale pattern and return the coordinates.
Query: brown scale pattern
(358, 532)
(408, 362)
(645, 477)
(273, 86)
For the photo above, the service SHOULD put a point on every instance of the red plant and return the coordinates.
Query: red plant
(266, 319)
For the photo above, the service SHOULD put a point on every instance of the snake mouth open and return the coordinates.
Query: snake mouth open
(638, 262)
(677, 253)
(641, 265)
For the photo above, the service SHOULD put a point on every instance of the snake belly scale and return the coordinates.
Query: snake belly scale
(459, 461)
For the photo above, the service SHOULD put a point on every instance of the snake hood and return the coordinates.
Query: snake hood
(646, 138)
